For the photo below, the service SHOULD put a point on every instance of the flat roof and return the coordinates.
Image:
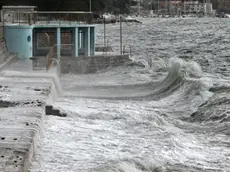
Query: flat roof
(62, 12)
(54, 25)
(56, 12)
(17, 7)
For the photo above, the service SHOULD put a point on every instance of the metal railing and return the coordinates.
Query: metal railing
(103, 50)
(130, 49)
(47, 17)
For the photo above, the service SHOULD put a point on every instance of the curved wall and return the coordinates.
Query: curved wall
(19, 40)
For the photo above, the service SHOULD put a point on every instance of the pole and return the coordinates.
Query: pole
(90, 5)
(104, 33)
(152, 5)
(170, 11)
(167, 6)
(170, 7)
(138, 6)
(204, 6)
(184, 6)
(120, 34)
(158, 6)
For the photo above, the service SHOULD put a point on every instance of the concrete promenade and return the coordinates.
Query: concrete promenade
(24, 93)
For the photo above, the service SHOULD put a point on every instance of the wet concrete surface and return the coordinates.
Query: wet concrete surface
(25, 87)
(20, 129)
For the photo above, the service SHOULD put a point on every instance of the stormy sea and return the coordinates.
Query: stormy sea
(168, 110)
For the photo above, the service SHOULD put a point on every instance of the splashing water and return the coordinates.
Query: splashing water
(172, 117)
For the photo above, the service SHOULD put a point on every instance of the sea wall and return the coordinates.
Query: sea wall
(92, 64)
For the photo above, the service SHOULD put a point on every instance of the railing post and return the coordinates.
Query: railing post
(121, 34)
(59, 21)
(19, 18)
(35, 17)
(29, 18)
(58, 43)
(124, 49)
(49, 18)
(131, 51)
(104, 32)
(84, 17)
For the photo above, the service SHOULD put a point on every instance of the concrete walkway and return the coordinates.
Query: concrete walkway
(23, 95)
(20, 129)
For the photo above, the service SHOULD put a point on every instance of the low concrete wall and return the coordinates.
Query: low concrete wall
(92, 64)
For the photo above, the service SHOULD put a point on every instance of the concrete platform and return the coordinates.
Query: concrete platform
(25, 90)
(24, 93)
(20, 129)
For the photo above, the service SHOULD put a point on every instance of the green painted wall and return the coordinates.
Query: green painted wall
(19, 40)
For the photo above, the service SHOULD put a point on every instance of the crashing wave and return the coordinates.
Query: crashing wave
(181, 75)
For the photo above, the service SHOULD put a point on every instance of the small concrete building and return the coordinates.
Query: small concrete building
(31, 33)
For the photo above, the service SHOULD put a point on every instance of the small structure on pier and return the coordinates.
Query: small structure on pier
(64, 37)
(31, 33)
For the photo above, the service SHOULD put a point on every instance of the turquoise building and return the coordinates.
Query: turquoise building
(31, 33)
